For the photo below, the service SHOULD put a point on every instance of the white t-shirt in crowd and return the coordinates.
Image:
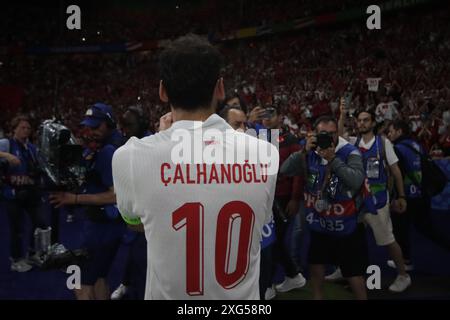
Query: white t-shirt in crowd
(386, 111)
(391, 157)
(202, 222)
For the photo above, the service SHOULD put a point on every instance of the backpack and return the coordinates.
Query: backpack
(434, 179)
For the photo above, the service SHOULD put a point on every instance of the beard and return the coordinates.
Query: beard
(365, 130)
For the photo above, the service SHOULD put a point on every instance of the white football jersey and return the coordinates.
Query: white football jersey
(202, 218)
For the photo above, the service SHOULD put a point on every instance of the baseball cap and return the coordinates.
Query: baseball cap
(96, 114)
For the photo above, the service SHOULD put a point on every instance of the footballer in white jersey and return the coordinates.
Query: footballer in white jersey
(202, 192)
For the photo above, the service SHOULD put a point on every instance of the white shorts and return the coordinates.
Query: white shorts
(381, 225)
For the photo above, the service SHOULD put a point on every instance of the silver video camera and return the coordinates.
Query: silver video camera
(60, 156)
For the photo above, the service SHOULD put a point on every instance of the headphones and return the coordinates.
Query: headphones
(111, 123)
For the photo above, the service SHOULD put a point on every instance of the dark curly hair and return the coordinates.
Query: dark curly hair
(189, 68)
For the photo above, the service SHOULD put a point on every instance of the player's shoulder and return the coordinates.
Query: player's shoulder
(147, 142)
(121, 155)
(147, 145)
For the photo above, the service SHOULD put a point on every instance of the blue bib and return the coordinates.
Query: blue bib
(377, 176)
(340, 216)
(412, 168)
(268, 234)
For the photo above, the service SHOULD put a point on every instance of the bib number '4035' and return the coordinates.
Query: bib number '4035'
(330, 225)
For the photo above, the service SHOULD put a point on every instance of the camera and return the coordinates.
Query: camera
(269, 112)
(324, 140)
(60, 157)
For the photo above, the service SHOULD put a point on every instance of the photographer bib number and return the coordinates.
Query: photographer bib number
(373, 168)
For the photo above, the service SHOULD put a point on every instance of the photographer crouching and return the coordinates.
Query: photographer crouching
(103, 228)
(333, 200)
(20, 191)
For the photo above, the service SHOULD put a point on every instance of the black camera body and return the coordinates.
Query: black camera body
(324, 140)
(60, 157)
(269, 112)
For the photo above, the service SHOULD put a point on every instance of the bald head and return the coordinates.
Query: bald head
(236, 118)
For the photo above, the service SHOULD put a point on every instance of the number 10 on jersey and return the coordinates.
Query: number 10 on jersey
(191, 215)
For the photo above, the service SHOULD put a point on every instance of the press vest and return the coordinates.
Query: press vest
(341, 216)
(375, 170)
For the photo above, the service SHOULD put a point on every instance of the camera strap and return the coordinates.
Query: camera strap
(326, 180)
(321, 203)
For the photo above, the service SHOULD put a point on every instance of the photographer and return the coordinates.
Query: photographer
(335, 174)
(418, 201)
(381, 164)
(286, 204)
(103, 228)
(237, 119)
(20, 188)
(134, 123)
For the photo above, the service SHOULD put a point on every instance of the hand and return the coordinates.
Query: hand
(165, 121)
(292, 207)
(59, 199)
(311, 141)
(256, 114)
(12, 159)
(328, 154)
(400, 205)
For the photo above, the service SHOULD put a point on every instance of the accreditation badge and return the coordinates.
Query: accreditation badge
(321, 205)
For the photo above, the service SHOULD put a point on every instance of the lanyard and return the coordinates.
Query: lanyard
(325, 181)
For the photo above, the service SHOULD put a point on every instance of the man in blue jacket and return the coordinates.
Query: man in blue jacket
(20, 189)
(103, 228)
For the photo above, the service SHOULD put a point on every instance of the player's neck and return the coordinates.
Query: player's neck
(197, 115)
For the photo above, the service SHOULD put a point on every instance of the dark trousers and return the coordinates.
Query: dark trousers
(136, 268)
(418, 214)
(265, 274)
(281, 252)
(15, 210)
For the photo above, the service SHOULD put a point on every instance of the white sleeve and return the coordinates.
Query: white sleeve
(352, 140)
(378, 109)
(123, 184)
(394, 110)
(391, 157)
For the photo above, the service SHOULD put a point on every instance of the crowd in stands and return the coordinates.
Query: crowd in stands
(304, 73)
(137, 20)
